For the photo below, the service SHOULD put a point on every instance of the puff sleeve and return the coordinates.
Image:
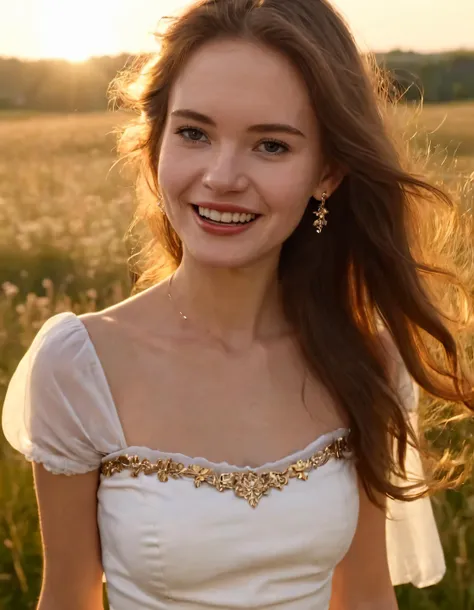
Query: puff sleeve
(414, 550)
(57, 409)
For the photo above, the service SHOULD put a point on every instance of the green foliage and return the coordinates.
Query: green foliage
(442, 77)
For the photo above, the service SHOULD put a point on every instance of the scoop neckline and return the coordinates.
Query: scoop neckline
(144, 451)
(187, 460)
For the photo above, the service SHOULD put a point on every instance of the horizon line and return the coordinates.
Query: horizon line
(400, 50)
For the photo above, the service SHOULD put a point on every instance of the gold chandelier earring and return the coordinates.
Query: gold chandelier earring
(321, 221)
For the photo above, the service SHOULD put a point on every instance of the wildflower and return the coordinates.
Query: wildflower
(9, 289)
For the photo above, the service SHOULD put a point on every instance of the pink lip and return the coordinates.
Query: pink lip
(224, 207)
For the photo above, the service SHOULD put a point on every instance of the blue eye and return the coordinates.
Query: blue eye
(194, 135)
(275, 143)
(182, 131)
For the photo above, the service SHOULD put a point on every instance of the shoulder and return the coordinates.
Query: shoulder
(60, 339)
(54, 410)
(142, 313)
(58, 362)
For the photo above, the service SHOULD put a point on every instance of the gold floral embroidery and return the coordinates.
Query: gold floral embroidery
(249, 485)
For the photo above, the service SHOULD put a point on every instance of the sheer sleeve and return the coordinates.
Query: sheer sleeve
(415, 554)
(56, 410)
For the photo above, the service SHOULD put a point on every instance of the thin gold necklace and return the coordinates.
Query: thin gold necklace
(171, 298)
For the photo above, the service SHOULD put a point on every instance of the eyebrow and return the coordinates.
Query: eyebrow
(260, 128)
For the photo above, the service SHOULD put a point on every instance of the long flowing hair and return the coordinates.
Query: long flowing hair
(393, 255)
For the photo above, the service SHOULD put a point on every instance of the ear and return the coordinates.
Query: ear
(331, 178)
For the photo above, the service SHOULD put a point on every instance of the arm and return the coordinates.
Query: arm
(72, 574)
(362, 579)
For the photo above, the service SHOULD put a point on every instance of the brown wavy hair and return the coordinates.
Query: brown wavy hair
(390, 255)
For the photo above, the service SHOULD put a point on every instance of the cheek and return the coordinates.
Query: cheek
(175, 170)
(169, 172)
(289, 192)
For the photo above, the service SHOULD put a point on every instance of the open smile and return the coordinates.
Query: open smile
(223, 223)
(227, 218)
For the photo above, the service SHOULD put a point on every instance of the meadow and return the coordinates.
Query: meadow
(64, 212)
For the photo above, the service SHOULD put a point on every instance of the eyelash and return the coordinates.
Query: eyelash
(181, 130)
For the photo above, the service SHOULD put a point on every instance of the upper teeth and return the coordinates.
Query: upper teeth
(225, 216)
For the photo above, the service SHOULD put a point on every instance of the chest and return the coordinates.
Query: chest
(186, 543)
(245, 409)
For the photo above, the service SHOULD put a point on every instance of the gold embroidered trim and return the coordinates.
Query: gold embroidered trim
(249, 485)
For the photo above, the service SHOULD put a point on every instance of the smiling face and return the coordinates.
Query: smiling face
(241, 138)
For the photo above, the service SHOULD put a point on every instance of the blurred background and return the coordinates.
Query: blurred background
(65, 207)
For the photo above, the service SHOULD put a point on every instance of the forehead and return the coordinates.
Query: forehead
(241, 79)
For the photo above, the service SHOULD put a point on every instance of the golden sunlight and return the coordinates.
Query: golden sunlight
(75, 31)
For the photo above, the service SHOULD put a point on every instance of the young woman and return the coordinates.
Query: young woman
(228, 432)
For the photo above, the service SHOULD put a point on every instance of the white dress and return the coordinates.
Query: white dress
(177, 542)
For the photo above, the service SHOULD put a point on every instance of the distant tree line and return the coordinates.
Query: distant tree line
(441, 77)
(58, 85)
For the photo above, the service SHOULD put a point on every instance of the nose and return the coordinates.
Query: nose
(223, 173)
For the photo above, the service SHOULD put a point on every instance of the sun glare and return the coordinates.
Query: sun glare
(75, 31)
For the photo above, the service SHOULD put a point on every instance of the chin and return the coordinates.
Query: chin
(225, 256)
(222, 260)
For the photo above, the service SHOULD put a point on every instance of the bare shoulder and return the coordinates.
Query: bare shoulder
(131, 342)
(127, 337)
(137, 314)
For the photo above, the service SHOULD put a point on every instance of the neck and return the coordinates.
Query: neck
(236, 307)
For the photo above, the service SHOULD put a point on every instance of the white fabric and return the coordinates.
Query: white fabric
(170, 545)
(414, 548)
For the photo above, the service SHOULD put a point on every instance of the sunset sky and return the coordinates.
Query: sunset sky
(76, 29)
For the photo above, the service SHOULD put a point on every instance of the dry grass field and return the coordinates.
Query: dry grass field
(63, 216)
